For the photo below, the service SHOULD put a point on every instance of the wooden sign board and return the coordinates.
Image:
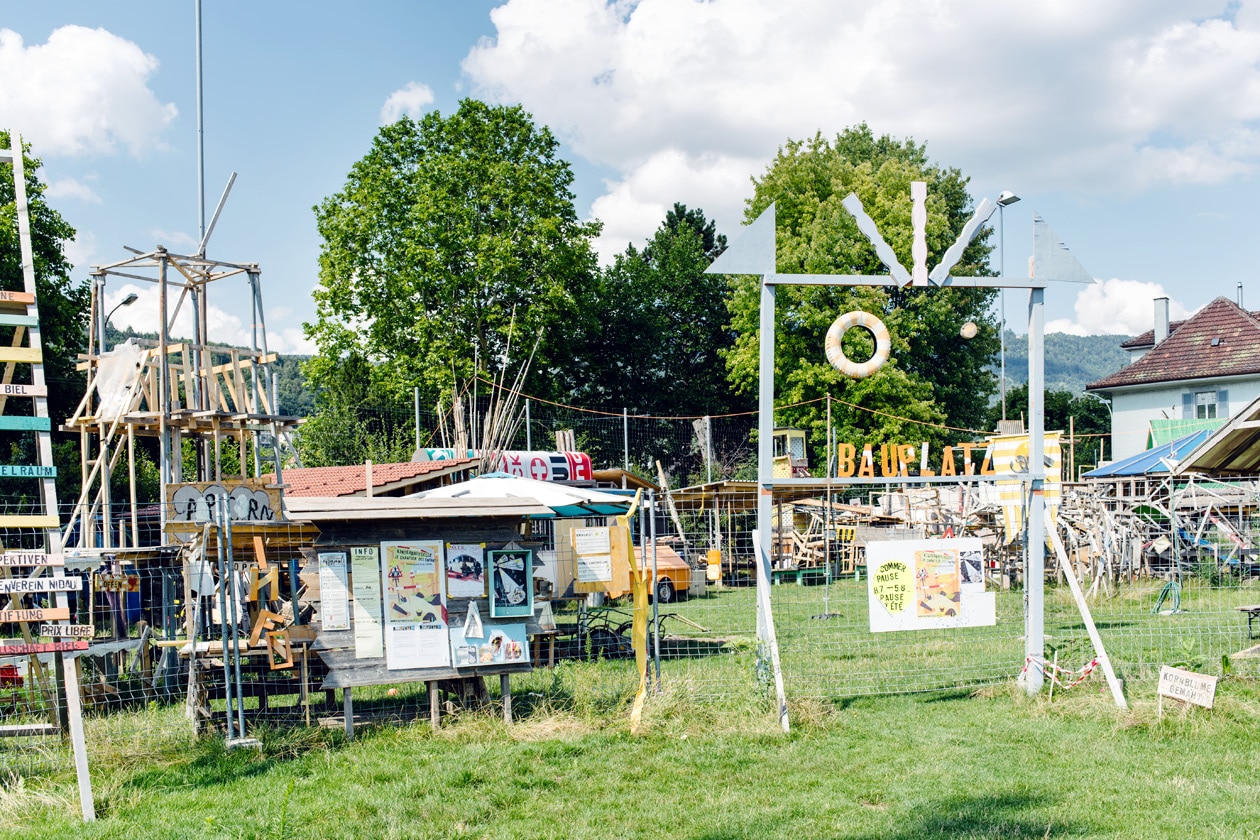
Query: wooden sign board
(17, 297)
(20, 649)
(14, 423)
(10, 389)
(26, 471)
(42, 614)
(191, 505)
(116, 583)
(67, 631)
(31, 558)
(1179, 684)
(31, 355)
(24, 520)
(18, 586)
(10, 320)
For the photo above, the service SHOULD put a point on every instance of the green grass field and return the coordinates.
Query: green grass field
(710, 761)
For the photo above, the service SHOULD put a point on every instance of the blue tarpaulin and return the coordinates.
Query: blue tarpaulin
(1152, 460)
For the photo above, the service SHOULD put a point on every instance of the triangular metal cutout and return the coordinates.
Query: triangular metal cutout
(752, 251)
(1051, 258)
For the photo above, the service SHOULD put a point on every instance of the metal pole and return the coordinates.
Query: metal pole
(656, 615)
(416, 392)
(1034, 569)
(625, 439)
(765, 480)
(1002, 297)
(236, 624)
(529, 434)
(223, 622)
(201, 140)
(708, 446)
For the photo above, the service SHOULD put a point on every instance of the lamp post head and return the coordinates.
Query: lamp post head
(1006, 198)
(130, 299)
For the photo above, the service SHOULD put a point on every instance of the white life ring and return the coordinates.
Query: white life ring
(835, 354)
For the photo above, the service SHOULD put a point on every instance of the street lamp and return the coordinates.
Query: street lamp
(1005, 198)
(127, 301)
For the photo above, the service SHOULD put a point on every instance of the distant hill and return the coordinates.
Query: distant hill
(1072, 361)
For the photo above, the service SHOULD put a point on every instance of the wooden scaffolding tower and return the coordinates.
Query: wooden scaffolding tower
(221, 399)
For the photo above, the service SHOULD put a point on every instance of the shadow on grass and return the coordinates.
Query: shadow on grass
(1007, 816)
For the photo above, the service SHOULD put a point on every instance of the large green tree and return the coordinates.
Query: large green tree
(656, 326)
(63, 312)
(451, 238)
(934, 377)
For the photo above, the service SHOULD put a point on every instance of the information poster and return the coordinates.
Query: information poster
(465, 571)
(365, 578)
(503, 644)
(593, 549)
(334, 597)
(415, 607)
(927, 584)
(512, 583)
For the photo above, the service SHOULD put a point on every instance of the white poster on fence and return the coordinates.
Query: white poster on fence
(334, 598)
(927, 584)
(365, 582)
(593, 548)
(415, 606)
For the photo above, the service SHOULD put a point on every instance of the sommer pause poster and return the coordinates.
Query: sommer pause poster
(415, 605)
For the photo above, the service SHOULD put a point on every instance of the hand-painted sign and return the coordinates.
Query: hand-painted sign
(115, 583)
(16, 423)
(31, 558)
(41, 584)
(67, 631)
(1199, 689)
(10, 389)
(193, 504)
(19, 649)
(26, 471)
(42, 614)
(547, 466)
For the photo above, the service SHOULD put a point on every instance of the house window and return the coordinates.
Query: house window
(1205, 405)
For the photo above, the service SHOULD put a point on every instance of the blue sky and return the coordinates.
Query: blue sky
(1131, 127)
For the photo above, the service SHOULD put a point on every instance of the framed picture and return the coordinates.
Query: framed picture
(279, 650)
(465, 571)
(511, 583)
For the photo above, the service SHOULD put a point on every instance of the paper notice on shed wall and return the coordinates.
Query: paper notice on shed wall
(334, 606)
(365, 578)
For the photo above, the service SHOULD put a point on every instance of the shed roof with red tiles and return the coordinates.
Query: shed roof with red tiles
(1221, 339)
(386, 478)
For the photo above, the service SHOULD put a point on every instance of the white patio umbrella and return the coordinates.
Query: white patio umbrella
(564, 500)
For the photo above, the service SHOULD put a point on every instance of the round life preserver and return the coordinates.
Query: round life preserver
(835, 354)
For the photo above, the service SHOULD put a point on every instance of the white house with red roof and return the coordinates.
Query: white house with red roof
(1191, 370)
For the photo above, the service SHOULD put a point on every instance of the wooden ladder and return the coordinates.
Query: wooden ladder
(20, 310)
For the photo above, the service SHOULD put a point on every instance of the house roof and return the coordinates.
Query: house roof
(1221, 339)
(352, 480)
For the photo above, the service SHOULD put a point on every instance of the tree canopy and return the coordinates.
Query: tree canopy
(656, 326)
(934, 376)
(451, 239)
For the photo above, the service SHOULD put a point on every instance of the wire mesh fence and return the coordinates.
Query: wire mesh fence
(1171, 574)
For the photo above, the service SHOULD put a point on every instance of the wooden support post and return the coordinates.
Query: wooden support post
(505, 687)
(347, 703)
(435, 711)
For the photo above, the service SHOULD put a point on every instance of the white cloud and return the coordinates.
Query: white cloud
(224, 328)
(82, 250)
(411, 99)
(1142, 92)
(172, 240)
(69, 188)
(84, 92)
(1116, 307)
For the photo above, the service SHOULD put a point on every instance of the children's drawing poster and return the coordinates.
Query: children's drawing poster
(503, 644)
(415, 609)
(465, 571)
(927, 584)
